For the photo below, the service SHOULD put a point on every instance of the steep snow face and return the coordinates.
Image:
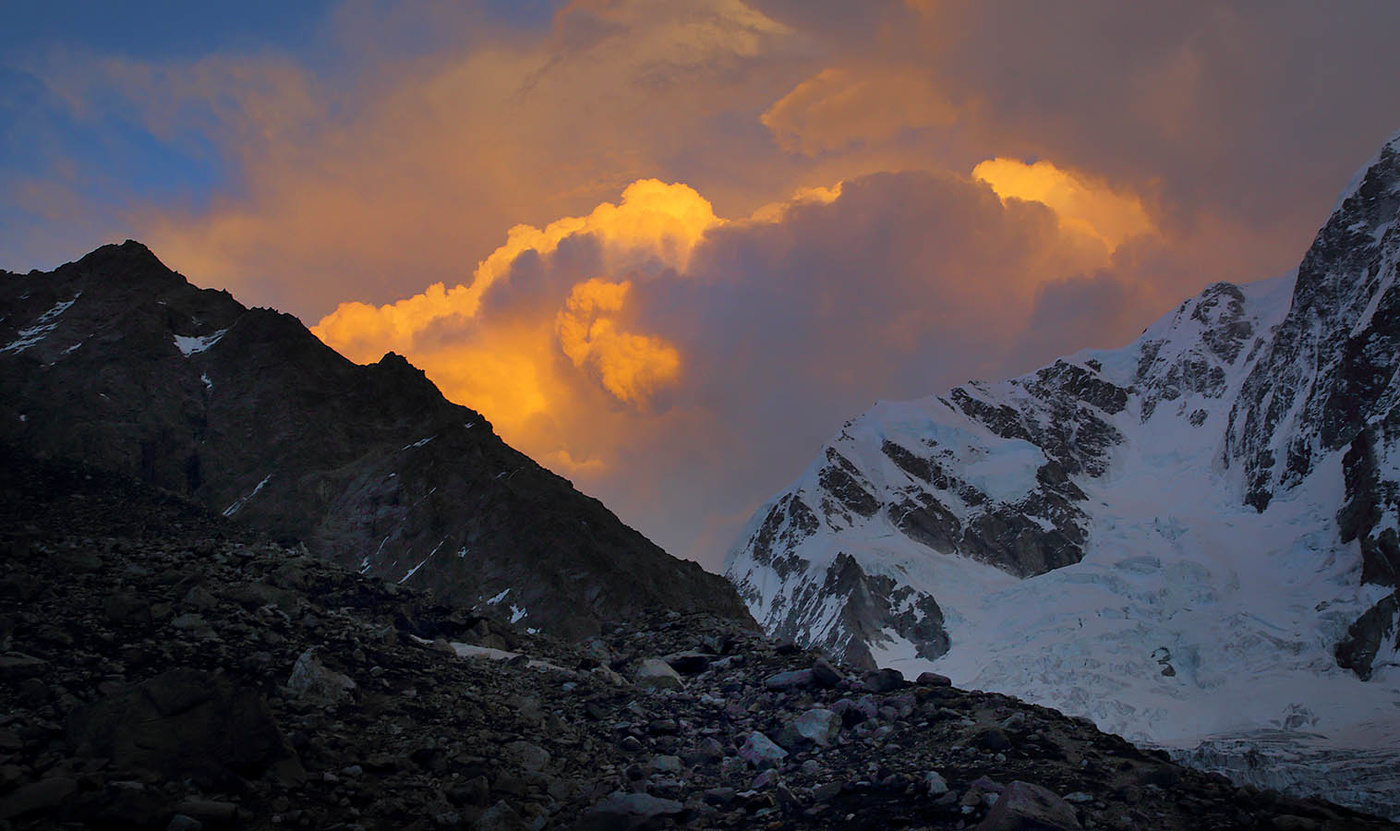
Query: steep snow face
(1190, 537)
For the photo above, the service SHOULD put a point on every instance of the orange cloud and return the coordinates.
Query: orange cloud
(656, 225)
(1082, 205)
(840, 107)
(631, 367)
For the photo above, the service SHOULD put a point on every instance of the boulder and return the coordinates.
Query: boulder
(656, 674)
(628, 812)
(186, 724)
(1024, 806)
(816, 727)
(761, 752)
(314, 682)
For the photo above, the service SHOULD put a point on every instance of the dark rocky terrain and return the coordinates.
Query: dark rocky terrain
(162, 667)
(118, 362)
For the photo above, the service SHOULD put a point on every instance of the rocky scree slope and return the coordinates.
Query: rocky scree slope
(117, 361)
(165, 668)
(1190, 536)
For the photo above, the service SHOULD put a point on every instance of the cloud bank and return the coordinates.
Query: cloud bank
(669, 248)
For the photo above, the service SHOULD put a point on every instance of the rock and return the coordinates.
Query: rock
(209, 812)
(761, 752)
(708, 751)
(992, 738)
(628, 811)
(825, 675)
(884, 680)
(935, 784)
(666, 764)
(181, 822)
(794, 679)
(126, 607)
(690, 662)
(37, 797)
(1023, 806)
(529, 756)
(17, 665)
(815, 727)
(719, 796)
(501, 817)
(933, 679)
(185, 724)
(315, 682)
(656, 674)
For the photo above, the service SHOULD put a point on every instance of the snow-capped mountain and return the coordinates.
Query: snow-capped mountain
(118, 362)
(1190, 538)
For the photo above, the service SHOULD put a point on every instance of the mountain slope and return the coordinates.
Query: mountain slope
(119, 362)
(1190, 536)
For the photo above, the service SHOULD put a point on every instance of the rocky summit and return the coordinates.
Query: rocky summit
(118, 362)
(165, 668)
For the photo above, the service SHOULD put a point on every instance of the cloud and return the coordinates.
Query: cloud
(658, 352)
(838, 108)
(1082, 205)
(630, 366)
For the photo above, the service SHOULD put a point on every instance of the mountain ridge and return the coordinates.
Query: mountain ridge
(118, 361)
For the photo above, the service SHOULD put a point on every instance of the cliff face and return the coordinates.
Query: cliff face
(118, 362)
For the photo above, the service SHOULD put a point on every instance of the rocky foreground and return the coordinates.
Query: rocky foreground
(163, 668)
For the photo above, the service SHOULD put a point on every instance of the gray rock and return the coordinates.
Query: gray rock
(761, 752)
(666, 764)
(933, 679)
(935, 783)
(817, 727)
(690, 662)
(528, 756)
(884, 680)
(501, 817)
(656, 674)
(627, 812)
(794, 679)
(824, 674)
(1023, 806)
(315, 682)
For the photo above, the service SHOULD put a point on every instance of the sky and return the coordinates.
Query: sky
(668, 248)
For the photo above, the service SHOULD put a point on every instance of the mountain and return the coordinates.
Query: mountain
(1191, 539)
(166, 668)
(116, 361)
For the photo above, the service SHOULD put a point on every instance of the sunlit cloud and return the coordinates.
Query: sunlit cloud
(1083, 206)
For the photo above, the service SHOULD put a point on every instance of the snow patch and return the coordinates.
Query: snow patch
(47, 322)
(233, 509)
(193, 345)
